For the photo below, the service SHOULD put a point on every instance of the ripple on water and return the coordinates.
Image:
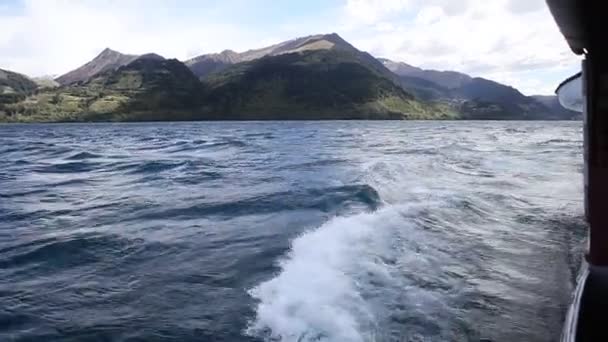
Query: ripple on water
(71, 167)
(304, 231)
(325, 200)
(83, 155)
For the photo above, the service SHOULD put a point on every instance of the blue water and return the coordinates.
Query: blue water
(289, 231)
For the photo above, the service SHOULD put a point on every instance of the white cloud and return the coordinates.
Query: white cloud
(503, 39)
(429, 15)
(523, 6)
(55, 36)
(370, 11)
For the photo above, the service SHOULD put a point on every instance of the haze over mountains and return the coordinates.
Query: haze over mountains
(314, 77)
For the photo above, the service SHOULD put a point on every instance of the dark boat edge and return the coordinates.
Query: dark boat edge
(582, 23)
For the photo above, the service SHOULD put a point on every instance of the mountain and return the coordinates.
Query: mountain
(424, 89)
(107, 60)
(150, 84)
(494, 101)
(205, 65)
(552, 103)
(473, 97)
(147, 88)
(15, 83)
(444, 79)
(314, 77)
(400, 68)
(14, 87)
(309, 83)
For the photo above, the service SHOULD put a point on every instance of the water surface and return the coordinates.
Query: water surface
(291, 231)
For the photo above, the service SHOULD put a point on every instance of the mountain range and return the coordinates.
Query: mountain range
(314, 77)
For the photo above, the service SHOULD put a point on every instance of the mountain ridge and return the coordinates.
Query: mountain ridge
(107, 59)
(227, 82)
(206, 64)
(297, 86)
(15, 87)
(475, 97)
(552, 102)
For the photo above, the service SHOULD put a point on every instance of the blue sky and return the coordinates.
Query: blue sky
(510, 41)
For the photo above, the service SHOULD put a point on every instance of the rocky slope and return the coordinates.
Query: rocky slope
(204, 65)
(107, 60)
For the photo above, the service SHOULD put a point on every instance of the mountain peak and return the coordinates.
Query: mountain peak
(229, 56)
(108, 52)
(151, 56)
(334, 37)
(312, 42)
(108, 59)
(204, 65)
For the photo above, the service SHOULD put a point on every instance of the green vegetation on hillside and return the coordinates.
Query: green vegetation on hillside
(14, 87)
(312, 84)
(146, 89)
(308, 78)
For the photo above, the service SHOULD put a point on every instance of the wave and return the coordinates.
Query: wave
(71, 182)
(328, 200)
(71, 167)
(227, 143)
(22, 193)
(313, 164)
(155, 166)
(62, 252)
(398, 239)
(54, 252)
(467, 170)
(333, 277)
(83, 155)
(315, 296)
(262, 135)
(196, 145)
(517, 130)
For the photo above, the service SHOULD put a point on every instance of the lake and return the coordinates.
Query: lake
(289, 231)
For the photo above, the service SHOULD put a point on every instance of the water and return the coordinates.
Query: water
(290, 231)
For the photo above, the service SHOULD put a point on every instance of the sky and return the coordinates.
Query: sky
(515, 42)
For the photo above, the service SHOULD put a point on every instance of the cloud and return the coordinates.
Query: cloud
(507, 39)
(429, 15)
(55, 36)
(524, 6)
(371, 11)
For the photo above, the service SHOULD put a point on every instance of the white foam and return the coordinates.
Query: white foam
(320, 292)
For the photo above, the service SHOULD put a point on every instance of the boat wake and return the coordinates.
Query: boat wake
(320, 294)
(341, 281)
(409, 269)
